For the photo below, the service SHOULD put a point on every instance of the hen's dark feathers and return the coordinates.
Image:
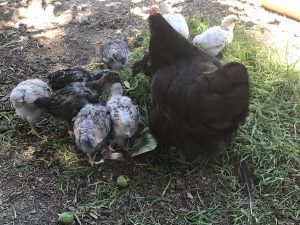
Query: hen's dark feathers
(198, 102)
(167, 46)
(61, 78)
(142, 66)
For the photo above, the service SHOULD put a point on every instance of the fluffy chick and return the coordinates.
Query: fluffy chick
(214, 39)
(22, 98)
(65, 103)
(61, 78)
(124, 115)
(92, 127)
(176, 20)
(114, 53)
(100, 73)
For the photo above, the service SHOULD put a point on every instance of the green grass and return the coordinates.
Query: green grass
(269, 139)
(100, 195)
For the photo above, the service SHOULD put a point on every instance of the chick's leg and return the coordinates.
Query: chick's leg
(98, 162)
(117, 141)
(108, 154)
(34, 131)
(70, 129)
(91, 159)
(112, 145)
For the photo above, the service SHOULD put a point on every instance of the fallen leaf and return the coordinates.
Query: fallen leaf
(127, 84)
(145, 143)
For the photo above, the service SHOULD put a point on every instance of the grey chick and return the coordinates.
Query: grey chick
(124, 115)
(114, 53)
(61, 78)
(92, 127)
(22, 98)
(65, 103)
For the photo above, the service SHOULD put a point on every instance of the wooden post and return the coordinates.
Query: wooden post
(289, 8)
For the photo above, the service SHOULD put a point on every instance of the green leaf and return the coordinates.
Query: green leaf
(127, 84)
(145, 143)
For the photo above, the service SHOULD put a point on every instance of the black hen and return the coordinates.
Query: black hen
(198, 102)
(61, 78)
(65, 103)
(142, 66)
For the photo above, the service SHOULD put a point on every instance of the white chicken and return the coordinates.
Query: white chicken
(176, 20)
(22, 98)
(92, 126)
(214, 39)
(124, 115)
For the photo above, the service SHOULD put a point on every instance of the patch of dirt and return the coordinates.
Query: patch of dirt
(30, 189)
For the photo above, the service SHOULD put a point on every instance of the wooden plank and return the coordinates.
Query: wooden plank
(289, 8)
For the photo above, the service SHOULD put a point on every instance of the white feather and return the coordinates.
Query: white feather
(214, 39)
(23, 96)
(176, 20)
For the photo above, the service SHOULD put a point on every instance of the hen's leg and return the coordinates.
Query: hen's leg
(34, 131)
(70, 129)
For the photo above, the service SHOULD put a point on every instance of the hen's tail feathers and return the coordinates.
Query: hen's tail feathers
(246, 177)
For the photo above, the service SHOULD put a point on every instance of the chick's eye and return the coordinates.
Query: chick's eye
(115, 56)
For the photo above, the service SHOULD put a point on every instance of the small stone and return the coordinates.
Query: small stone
(93, 215)
(189, 195)
(33, 211)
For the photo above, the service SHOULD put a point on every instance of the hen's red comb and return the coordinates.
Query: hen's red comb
(153, 10)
